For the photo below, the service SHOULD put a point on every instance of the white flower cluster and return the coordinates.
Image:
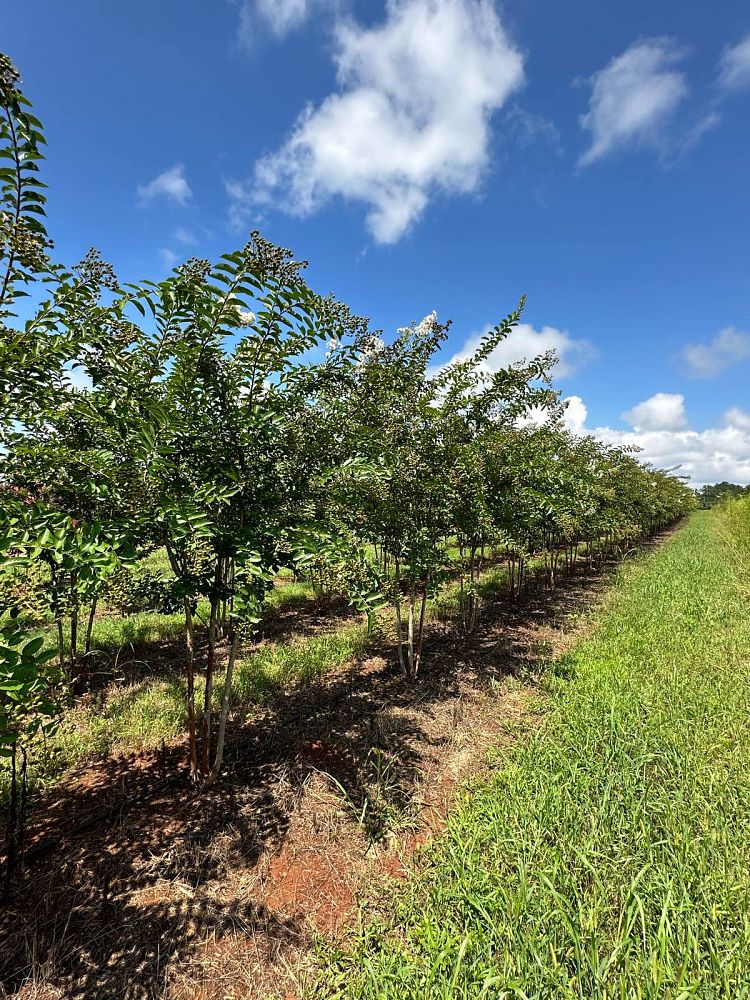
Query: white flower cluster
(424, 327)
(245, 318)
(372, 347)
(428, 324)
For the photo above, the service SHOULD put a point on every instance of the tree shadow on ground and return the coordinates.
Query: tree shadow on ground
(127, 860)
(139, 657)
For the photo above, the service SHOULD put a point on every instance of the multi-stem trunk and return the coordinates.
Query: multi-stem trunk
(474, 571)
(410, 634)
(11, 851)
(178, 571)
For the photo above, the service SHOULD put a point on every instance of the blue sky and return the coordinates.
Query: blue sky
(437, 154)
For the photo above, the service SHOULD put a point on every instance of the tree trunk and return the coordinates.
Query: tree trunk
(420, 632)
(190, 677)
(90, 625)
(216, 771)
(410, 635)
(11, 853)
(73, 625)
(399, 624)
(210, 664)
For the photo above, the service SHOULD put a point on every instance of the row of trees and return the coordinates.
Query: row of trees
(244, 423)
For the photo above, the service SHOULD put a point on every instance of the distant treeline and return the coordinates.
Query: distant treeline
(713, 493)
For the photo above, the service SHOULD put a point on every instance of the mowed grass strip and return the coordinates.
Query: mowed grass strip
(609, 857)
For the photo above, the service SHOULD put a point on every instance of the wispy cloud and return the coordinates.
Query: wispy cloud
(169, 257)
(171, 184)
(632, 98)
(281, 16)
(729, 347)
(734, 66)
(186, 236)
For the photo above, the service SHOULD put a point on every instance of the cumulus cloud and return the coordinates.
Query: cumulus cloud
(664, 411)
(709, 456)
(729, 347)
(734, 66)
(410, 116)
(737, 418)
(575, 414)
(664, 438)
(524, 343)
(632, 98)
(171, 184)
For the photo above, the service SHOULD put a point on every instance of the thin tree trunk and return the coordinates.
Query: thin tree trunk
(11, 852)
(22, 811)
(420, 632)
(60, 643)
(73, 625)
(210, 663)
(472, 590)
(90, 626)
(399, 625)
(190, 677)
(225, 703)
(410, 634)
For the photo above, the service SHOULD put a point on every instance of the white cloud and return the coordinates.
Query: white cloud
(575, 414)
(171, 184)
(186, 236)
(730, 346)
(663, 437)
(664, 411)
(524, 343)
(169, 257)
(633, 96)
(737, 418)
(281, 16)
(734, 66)
(410, 118)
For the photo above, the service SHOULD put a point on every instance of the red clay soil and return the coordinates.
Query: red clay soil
(179, 894)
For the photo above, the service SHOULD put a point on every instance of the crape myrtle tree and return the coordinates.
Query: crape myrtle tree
(195, 405)
(419, 431)
(185, 435)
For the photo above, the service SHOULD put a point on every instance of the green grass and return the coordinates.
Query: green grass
(609, 857)
(143, 714)
(734, 521)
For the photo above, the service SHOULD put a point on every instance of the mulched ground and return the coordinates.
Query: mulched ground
(140, 887)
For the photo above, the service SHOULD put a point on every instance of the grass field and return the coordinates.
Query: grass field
(609, 855)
